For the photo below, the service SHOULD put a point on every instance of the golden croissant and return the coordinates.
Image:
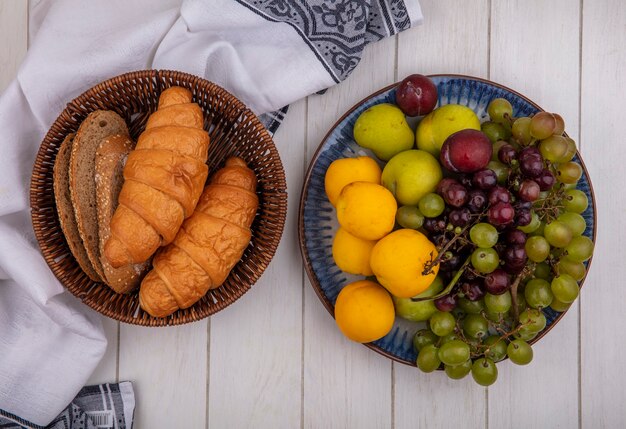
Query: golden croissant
(163, 179)
(207, 246)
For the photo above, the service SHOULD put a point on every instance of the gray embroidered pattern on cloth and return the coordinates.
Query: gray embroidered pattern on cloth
(336, 30)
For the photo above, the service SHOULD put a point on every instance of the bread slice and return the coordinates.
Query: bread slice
(65, 209)
(97, 126)
(110, 159)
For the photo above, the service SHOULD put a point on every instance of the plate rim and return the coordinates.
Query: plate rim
(304, 193)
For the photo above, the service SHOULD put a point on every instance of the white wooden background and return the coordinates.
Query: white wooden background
(275, 358)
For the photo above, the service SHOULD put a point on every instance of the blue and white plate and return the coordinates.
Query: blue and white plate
(317, 218)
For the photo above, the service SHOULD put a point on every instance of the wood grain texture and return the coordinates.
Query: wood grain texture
(345, 384)
(106, 371)
(545, 392)
(168, 368)
(453, 39)
(427, 49)
(603, 320)
(13, 38)
(256, 344)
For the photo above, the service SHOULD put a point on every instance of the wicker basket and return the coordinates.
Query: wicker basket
(234, 130)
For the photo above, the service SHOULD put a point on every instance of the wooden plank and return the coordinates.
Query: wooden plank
(106, 371)
(345, 384)
(453, 39)
(168, 368)
(603, 338)
(13, 38)
(538, 56)
(256, 344)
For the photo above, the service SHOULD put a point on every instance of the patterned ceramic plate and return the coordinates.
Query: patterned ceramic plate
(317, 219)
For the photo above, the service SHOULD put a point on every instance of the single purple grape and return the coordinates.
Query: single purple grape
(501, 214)
(477, 201)
(545, 180)
(522, 217)
(459, 217)
(497, 282)
(485, 179)
(446, 303)
(528, 190)
(515, 236)
(499, 194)
(455, 195)
(472, 290)
(506, 154)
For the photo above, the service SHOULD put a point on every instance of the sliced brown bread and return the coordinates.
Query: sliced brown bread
(97, 126)
(110, 159)
(65, 209)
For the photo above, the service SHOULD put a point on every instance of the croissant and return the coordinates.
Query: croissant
(208, 244)
(163, 179)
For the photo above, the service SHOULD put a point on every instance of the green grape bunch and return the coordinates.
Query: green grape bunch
(511, 244)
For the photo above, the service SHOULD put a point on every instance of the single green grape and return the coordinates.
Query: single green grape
(538, 293)
(535, 223)
(500, 110)
(409, 217)
(442, 323)
(498, 303)
(458, 372)
(539, 231)
(533, 320)
(520, 352)
(579, 249)
(431, 205)
(497, 348)
(447, 338)
(485, 260)
(565, 288)
(454, 352)
(471, 307)
(501, 170)
(571, 150)
(484, 371)
(569, 172)
(574, 221)
(553, 148)
(493, 316)
(526, 334)
(558, 234)
(575, 269)
(484, 235)
(422, 338)
(495, 131)
(543, 271)
(475, 326)
(521, 130)
(575, 201)
(559, 306)
(428, 358)
(537, 248)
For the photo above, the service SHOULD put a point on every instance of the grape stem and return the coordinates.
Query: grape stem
(450, 285)
(428, 266)
(522, 275)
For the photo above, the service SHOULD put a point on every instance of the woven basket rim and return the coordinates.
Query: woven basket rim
(315, 284)
(156, 81)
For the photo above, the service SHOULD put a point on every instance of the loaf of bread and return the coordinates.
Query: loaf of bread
(207, 246)
(163, 179)
(110, 159)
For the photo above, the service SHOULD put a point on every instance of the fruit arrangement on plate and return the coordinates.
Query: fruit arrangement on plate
(469, 228)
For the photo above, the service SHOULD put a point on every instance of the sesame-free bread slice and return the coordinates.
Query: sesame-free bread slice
(110, 160)
(65, 209)
(96, 127)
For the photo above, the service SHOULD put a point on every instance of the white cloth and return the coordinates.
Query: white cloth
(260, 51)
